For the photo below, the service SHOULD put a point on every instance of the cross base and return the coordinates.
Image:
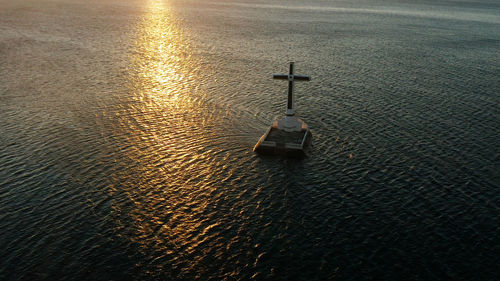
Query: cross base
(291, 124)
(279, 140)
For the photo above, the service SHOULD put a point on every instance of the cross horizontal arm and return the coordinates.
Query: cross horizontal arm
(280, 76)
(295, 77)
(302, 77)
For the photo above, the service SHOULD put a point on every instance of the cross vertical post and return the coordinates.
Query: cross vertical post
(290, 110)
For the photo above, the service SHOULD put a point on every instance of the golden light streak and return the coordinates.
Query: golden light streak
(162, 127)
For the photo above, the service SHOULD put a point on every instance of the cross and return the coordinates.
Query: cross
(290, 109)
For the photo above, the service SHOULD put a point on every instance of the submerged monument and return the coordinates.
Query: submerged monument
(288, 136)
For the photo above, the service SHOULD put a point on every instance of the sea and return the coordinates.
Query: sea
(127, 129)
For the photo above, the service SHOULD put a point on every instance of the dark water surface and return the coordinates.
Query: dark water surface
(127, 129)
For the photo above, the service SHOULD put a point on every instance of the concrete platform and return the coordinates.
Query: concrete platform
(279, 142)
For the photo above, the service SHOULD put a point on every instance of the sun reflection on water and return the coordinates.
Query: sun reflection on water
(163, 55)
(170, 170)
(180, 181)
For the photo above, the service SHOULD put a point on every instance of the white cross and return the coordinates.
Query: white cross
(290, 108)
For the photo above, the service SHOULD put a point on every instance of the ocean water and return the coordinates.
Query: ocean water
(127, 128)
